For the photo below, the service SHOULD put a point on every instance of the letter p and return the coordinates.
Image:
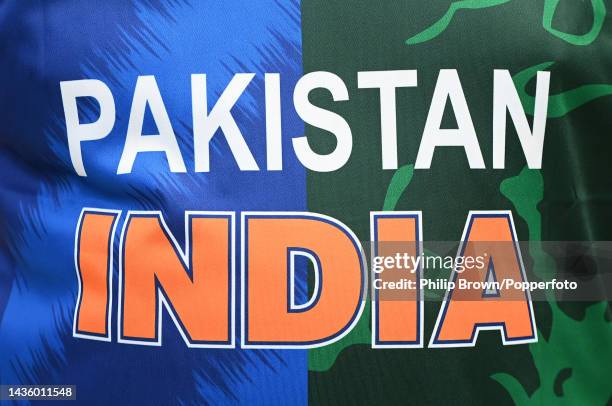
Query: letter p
(96, 130)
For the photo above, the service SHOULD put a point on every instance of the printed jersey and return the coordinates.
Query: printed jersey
(156, 154)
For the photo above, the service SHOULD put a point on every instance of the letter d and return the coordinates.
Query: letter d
(270, 317)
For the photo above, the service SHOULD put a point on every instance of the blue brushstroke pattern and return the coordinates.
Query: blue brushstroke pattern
(44, 42)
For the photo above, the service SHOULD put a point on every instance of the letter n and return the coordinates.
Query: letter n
(195, 285)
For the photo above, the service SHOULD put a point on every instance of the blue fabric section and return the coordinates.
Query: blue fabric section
(45, 42)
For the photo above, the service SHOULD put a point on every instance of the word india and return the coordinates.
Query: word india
(197, 285)
(219, 121)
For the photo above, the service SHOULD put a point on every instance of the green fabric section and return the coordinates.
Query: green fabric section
(439, 26)
(552, 355)
(569, 199)
(562, 103)
(399, 182)
(599, 16)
